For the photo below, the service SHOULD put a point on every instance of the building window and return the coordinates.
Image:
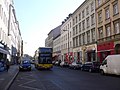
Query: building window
(115, 9)
(76, 19)
(79, 16)
(79, 40)
(83, 14)
(108, 31)
(83, 37)
(92, 6)
(80, 27)
(68, 27)
(73, 31)
(93, 34)
(107, 13)
(116, 27)
(73, 21)
(73, 42)
(83, 24)
(70, 44)
(100, 31)
(70, 33)
(87, 10)
(66, 36)
(99, 2)
(76, 29)
(88, 22)
(70, 24)
(88, 37)
(92, 19)
(100, 17)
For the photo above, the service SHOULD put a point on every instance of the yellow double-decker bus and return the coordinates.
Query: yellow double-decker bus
(43, 58)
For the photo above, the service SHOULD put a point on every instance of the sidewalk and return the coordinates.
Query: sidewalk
(6, 78)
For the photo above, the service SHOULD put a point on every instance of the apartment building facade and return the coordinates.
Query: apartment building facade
(66, 40)
(50, 39)
(46, 42)
(10, 36)
(84, 32)
(53, 40)
(108, 27)
(56, 44)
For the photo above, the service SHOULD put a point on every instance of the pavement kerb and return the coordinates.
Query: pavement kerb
(11, 81)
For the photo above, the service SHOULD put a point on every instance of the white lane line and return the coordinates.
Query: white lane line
(31, 88)
(24, 86)
(2, 79)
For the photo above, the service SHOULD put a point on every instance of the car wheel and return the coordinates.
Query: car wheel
(90, 70)
(19, 69)
(102, 72)
(82, 69)
(29, 69)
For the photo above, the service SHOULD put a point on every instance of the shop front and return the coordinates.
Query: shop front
(3, 52)
(69, 57)
(56, 56)
(117, 47)
(104, 50)
(91, 53)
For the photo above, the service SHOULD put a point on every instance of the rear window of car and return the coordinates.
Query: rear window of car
(25, 62)
(88, 63)
(96, 63)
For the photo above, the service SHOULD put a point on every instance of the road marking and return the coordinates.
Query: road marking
(24, 86)
(2, 79)
(31, 88)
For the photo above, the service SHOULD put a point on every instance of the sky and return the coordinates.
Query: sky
(38, 17)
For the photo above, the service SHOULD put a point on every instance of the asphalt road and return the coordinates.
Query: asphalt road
(64, 79)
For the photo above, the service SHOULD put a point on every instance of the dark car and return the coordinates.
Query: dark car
(91, 66)
(64, 64)
(75, 65)
(25, 65)
(57, 63)
(2, 67)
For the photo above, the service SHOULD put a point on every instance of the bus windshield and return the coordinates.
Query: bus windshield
(45, 60)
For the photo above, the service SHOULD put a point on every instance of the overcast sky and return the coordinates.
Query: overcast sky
(38, 17)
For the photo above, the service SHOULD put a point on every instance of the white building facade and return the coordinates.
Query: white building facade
(66, 40)
(10, 35)
(84, 33)
(57, 49)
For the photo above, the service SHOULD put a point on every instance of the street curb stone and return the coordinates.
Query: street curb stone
(11, 81)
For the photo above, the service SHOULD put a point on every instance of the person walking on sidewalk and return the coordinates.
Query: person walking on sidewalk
(7, 65)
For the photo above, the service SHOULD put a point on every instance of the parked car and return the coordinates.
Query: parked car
(111, 65)
(91, 66)
(2, 67)
(57, 63)
(75, 65)
(64, 64)
(25, 65)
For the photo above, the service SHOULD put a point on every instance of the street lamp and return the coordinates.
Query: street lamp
(68, 44)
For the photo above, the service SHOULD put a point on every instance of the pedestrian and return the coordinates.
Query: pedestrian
(7, 65)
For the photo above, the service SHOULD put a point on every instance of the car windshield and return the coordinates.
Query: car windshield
(96, 63)
(25, 62)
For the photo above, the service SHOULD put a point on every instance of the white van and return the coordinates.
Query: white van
(111, 65)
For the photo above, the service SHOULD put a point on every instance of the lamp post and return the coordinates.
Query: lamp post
(68, 44)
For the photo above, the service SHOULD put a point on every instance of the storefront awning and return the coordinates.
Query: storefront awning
(3, 51)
